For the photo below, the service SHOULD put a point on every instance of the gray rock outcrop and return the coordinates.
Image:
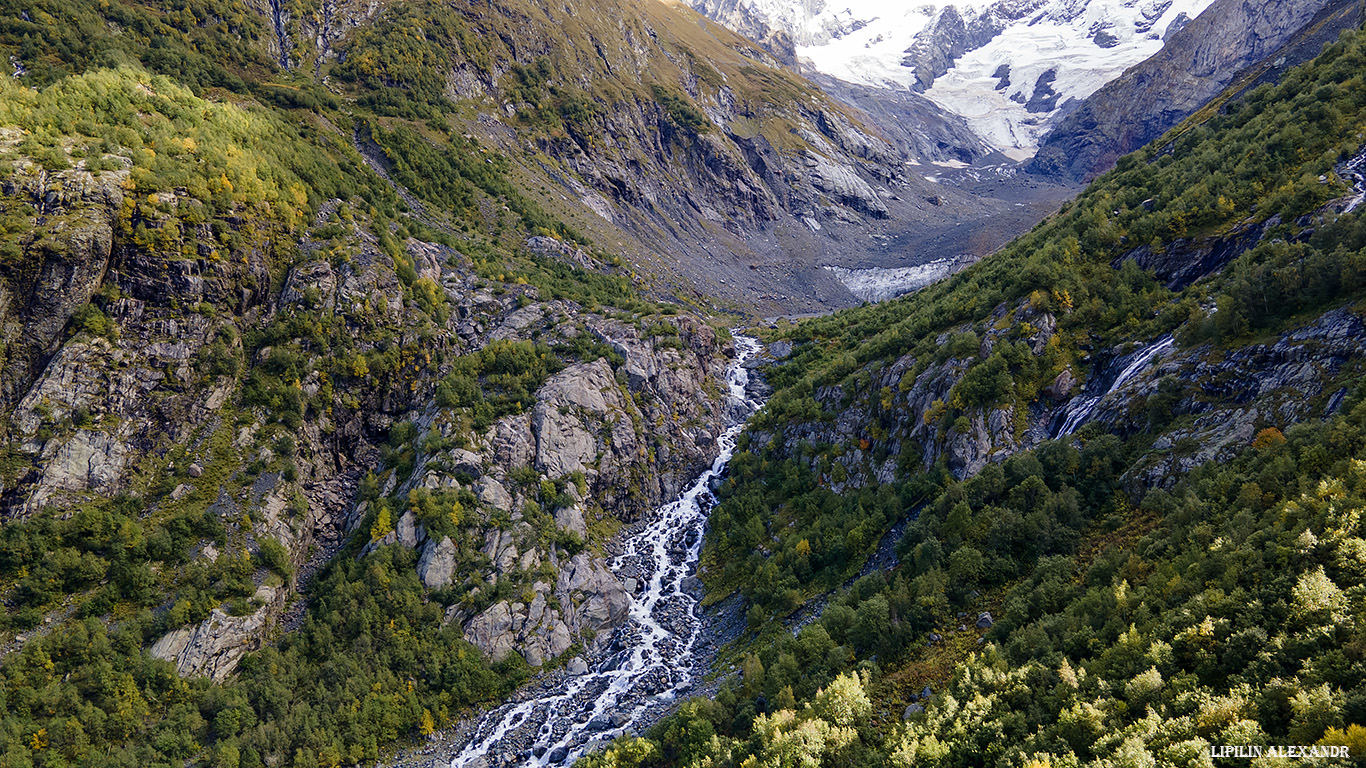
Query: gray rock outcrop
(437, 565)
(215, 646)
(589, 598)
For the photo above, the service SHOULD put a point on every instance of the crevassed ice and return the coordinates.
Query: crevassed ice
(865, 41)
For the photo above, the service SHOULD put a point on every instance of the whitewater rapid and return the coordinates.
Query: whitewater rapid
(653, 662)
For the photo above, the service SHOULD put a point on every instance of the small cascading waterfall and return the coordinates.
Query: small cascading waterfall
(1354, 171)
(654, 662)
(1079, 411)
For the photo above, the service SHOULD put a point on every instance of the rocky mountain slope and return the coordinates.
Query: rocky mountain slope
(677, 143)
(340, 340)
(328, 369)
(269, 404)
(1231, 42)
(682, 144)
(1072, 503)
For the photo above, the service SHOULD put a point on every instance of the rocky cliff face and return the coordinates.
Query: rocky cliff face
(206, 385)
(65, 250)
(615, 439)
(1231, 41)
(922, 130)
(891, 426)
(692, 147)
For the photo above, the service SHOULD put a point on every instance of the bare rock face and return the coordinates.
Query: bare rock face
(437, 566)
(841, 182)
(466, 462)
(604, 600)
(579, 394)
(312, 282)
(631, 435)
(989, 434)
(216, 645)
(492, 631)
(67, 254)
(535, 630)
(590, 598)
(571, 519)
(409, 532)
(510, 442)
(89, 460)
(491, 492)
(949, 36)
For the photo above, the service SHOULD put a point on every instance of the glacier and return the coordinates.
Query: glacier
(1011, 68)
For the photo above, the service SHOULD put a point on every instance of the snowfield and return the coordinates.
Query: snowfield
(1083, 43)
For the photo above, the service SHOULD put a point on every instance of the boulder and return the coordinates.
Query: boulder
(492, 493)
(437, 565)
(409, 531)
(389, 538)
(571, 519)
(1062, 386)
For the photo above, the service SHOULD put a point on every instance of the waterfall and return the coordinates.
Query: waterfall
(1079, 411)
(655, 661)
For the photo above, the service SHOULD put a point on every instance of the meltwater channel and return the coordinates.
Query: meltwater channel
(655, 663)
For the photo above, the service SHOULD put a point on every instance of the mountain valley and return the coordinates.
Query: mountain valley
(607, 383)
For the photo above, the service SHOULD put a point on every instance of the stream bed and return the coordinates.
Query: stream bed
(650, 661)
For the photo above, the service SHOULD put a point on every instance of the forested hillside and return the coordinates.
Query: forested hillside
(301, 384)
(341, 341)
(938, 572)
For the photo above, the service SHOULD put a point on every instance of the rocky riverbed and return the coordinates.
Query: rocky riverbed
(652, 661)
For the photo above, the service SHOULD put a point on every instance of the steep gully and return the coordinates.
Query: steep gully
(1080, 409)
(652, 655)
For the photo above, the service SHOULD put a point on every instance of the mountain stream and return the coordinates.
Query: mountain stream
(1080, 409)
(652, 660)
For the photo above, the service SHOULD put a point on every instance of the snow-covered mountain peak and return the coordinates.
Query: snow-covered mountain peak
(1010, 67)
